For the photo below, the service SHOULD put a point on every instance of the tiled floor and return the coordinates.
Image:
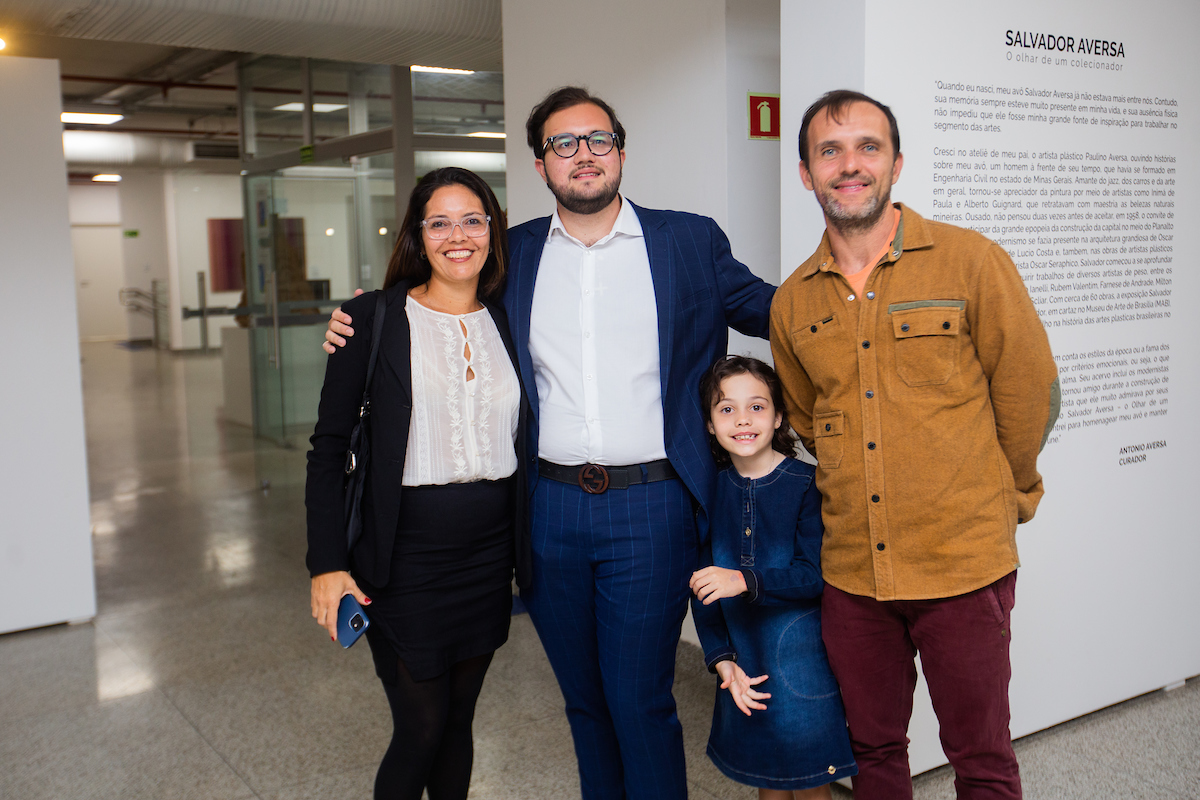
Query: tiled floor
(203, 675)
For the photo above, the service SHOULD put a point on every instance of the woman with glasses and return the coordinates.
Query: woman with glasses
(444, 494)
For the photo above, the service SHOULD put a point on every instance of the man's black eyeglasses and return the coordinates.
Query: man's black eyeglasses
(565, 145)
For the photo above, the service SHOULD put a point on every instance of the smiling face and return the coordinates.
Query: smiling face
(458, 259)
(583, 183)
(851, 166)
(743, 419)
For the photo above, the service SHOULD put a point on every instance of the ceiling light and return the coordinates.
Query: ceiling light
(320, 108)
(90, 119)
(106, 178)
(383, 231)
(329, 231)
(487, 134)
(443, 70)
(1, 44)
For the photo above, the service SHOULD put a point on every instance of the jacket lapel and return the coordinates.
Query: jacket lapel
(662, 271)
(394, 348)
(518, 298)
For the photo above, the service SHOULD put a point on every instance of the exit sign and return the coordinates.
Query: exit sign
(763, 115)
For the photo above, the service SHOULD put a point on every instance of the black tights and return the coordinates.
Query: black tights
(431, 737)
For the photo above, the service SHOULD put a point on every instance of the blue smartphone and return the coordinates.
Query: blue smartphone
(352, 621)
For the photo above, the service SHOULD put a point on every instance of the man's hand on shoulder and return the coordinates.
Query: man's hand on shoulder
(339, 326)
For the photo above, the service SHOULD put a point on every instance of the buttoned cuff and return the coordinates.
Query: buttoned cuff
(753, 585)
(724, 654)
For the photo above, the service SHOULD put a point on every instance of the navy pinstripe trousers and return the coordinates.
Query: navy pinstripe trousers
(609, 591)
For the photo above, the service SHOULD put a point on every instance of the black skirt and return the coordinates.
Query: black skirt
(449, 596)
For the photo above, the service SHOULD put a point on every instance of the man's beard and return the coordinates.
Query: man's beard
(585, 204)
(863, 218)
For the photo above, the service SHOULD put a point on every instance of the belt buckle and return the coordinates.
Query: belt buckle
(593, 479)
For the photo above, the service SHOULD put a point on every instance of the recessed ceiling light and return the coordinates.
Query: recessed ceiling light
(383, 231)
(320, 108)
(443, 70)
(487, 134)
(106, 178)
(90, 119)
(329, 231)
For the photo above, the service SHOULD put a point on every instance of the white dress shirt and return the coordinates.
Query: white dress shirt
(593, 337)
(461, 430)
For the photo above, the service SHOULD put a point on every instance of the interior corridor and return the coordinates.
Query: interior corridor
(203, 675)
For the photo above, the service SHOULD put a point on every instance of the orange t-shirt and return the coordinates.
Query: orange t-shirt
(858, 281)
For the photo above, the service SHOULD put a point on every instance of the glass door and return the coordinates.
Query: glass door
(315, 235)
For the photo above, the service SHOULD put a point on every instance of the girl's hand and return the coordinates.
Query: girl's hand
(712, 583)
(328, 589)
(740, 685)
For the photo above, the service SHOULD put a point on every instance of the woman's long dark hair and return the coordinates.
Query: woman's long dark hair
(784, 440)
(408, 262)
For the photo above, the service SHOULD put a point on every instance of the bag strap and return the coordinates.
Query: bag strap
(376, 335)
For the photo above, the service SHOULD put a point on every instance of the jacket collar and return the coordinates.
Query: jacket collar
(912, 234)
(394, 347)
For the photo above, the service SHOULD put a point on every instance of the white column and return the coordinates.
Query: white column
(45, 533)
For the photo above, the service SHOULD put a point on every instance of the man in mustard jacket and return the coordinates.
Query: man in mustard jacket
(916, 370)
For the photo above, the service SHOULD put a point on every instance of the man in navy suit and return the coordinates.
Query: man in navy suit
(616, 311)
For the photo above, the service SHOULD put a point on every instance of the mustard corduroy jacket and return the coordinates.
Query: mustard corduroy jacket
(926, 402)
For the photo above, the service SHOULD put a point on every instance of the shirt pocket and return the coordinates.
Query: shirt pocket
(927, 342)
(817, 344)
(827, 431)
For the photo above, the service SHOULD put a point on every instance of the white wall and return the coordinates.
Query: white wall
(95, 214)
(145, 256)
(45, 535)
(93, 204)
(661, 65)
(752, 65)
(1107, 598)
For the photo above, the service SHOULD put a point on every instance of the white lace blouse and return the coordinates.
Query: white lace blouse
(461, 430)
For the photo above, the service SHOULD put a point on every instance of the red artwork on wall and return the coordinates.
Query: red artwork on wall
(226, 255)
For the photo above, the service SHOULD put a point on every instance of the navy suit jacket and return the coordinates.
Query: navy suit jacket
(701, 291)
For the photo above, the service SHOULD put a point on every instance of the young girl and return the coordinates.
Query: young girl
(757, 608)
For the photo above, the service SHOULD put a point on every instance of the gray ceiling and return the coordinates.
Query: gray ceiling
(450, 33)
(169, 65)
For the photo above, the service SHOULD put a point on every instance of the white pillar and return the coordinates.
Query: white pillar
(45, 532)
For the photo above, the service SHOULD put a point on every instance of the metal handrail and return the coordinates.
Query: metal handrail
(262, 308)
(143, 302)
(136, 299)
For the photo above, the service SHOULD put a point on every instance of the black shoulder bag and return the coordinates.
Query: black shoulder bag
(359, 454)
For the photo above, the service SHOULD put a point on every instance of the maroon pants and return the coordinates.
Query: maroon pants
(963, 642)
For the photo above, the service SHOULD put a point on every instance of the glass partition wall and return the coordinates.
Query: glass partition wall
(320, 199)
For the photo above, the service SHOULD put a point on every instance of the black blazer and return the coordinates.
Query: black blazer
(391, 412)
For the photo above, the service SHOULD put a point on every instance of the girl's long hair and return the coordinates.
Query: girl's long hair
(784, 440)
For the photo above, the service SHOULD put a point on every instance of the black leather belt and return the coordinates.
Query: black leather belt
(597, 478)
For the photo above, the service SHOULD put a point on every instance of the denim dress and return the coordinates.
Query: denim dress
(770, 528)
